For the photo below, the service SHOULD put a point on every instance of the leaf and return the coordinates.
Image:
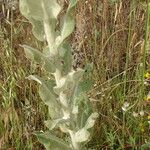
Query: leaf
(68, 24)
(47, 95)
(91, 120)
(88, 68)
(84, 111)
(38, 29)
(49, 64)
(35, 78)
(46, 92)
(50, 98)
(76, 75)
(65, 53)
(82, 135)
(51, 142)
(33, 9)
(24, 9)
(46, 89)
(33, 54)
(85, 85)
(69, 82)
(51, 124)
(87, 82)
(36, 9)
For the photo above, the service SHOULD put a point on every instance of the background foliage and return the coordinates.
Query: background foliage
(109, 33)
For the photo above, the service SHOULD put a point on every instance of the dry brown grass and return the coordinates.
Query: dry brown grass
(111, 35)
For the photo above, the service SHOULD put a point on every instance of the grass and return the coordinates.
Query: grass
(114, 35)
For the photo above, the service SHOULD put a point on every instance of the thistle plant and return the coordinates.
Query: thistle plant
(64, 89)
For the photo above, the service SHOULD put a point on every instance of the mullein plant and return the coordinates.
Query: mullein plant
(64, 90)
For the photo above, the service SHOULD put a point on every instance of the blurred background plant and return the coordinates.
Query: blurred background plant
(114, 36)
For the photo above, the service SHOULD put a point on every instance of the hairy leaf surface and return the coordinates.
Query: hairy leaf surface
(51, 142)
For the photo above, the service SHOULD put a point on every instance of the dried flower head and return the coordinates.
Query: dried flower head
(141, 113)
(135, 114)
(125, 106)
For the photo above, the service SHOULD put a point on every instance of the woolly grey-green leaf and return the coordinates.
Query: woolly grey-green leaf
(83, 134)
(24, 9)
(38, 29)
(84, 110)
(88, 68)
(35, 78)
(68, 82)
(49, 64)
(66, 55)
(47, 95)
(50, 98)
(33, 9)
(33, 54)
(91, 120)
(51, 124)
(68, 23)
(51, 142)
(37, 56)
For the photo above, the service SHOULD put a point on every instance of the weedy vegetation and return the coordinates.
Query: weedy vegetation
(74, 75)
(61, 90)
